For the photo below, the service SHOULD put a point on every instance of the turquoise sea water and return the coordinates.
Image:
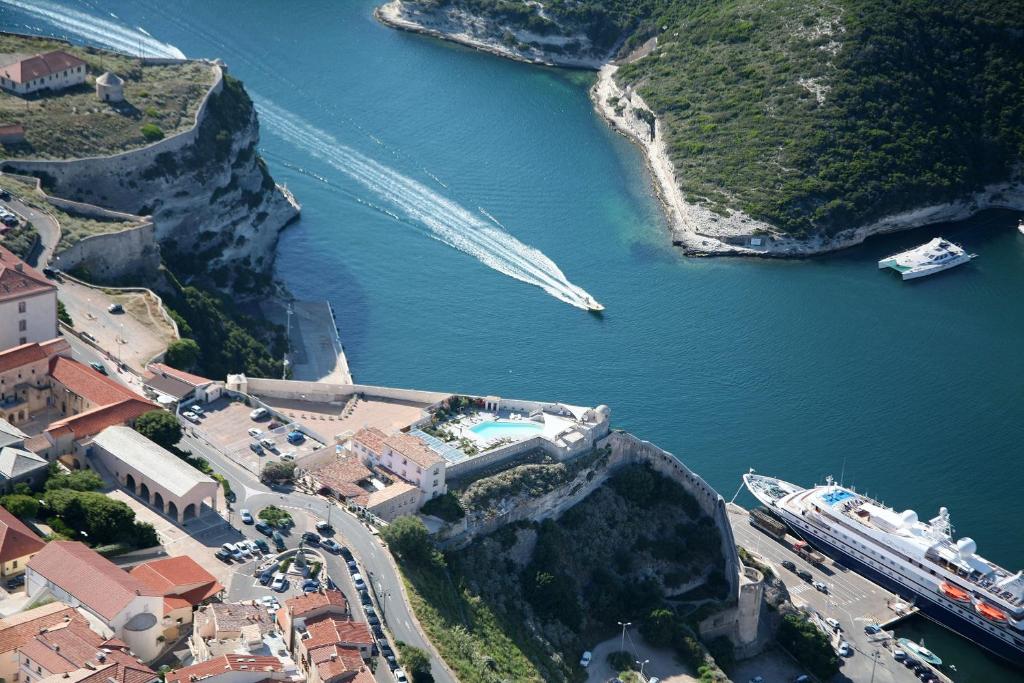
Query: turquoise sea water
(912, 391)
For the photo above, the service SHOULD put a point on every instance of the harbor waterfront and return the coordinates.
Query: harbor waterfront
(798, 368)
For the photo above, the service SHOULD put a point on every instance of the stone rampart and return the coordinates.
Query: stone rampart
(69, 173)
(114, 255)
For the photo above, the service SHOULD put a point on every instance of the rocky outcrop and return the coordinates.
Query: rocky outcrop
(451, 23)
(207, 190)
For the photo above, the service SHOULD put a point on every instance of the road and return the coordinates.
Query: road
(45, 225)
(852, 600)
(365, 546)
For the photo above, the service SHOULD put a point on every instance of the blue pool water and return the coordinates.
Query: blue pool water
(506, 430)
(835, 497)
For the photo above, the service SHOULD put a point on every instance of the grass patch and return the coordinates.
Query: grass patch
(20, 240)
(73, 123)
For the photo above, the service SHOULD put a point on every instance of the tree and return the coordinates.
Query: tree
(446, 507)
(275, 516)
(278, 473)
(103, 519)
(416, 663)
(182, 354)
(408, 538)
(660, 628)
(62, 314)
(79, 480)
(21, 506)
(160, 427)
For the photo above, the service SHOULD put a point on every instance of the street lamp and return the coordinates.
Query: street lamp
(874, 663)
(624, 625)
(642, 665)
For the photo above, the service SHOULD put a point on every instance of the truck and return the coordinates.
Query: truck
(805, 551)
(763, 520)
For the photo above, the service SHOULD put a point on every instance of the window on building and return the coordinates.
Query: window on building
(21, 307)
(22, 325)
(22, 340)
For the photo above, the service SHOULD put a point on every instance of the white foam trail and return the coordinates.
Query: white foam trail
(436, 179)
(98, 30)
(445, 220)
(144, 31)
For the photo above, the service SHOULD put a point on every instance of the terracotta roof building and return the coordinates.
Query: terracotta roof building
(221, 628)
(78, 388)
(54, 70)
(297, 613)
(410, 458)
(24, 377)
(19, 628)
(332, 649)
(28, 303)
(75, 574)
(341, 477)
(184, 585)
(70, 651)
(253, 668)
(178, 385)
(18, 544)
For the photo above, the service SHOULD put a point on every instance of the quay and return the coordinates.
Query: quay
(853, 600)
(315, 352)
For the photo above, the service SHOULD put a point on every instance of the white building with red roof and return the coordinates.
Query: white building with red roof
(18, 545)
(184, 585)
(28, 303)
(20, 627)
(69, 652)
(116, 603)
(56, 70)
(231, 668)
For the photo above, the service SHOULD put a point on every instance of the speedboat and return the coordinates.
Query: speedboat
(1020, 227)
(919, 651)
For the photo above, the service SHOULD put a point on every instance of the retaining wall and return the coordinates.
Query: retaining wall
(114, 255)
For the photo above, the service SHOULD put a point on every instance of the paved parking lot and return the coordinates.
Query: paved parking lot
(225, 426)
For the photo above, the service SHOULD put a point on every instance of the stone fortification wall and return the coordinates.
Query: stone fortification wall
(207, 190)
(328, 393)
(623, 449)
(114, 255)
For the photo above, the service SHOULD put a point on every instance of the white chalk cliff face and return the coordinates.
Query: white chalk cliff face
(210, 195)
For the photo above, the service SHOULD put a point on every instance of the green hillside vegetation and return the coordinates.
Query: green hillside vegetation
(823, 115)
(523, 603)
(73, 123)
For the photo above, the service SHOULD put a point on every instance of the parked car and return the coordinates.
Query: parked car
(98, 367)
(230, 496)
(400, 676)
(223, 555)
(872, 629)
(115, 308)
(833, 624)
(274, 424)
(10, 220)
(821, 587)
(254, 433)
(311, 538)
(264, 528)
(310, 585)
(378, 632)
(278, 541)
(254, 547)
(259, 414)
(295, 436)
(364, 597)
(5, 195)
(357, 581)
(789, 565)
(353, 568)
(246, 517)
(279, 584)
(330, 545)
(262, 545)
(804, 574)
(324, 528)
(266, 578)
(288, 455)
(844, 649)
(899, 655)
(268, 444)
(345, 552)
(256, 448)
(585, 659)
(190, 416)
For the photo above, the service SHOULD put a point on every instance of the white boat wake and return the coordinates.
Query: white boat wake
(444, 219)
(122, 38)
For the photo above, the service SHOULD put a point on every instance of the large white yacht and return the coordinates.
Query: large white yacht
(935, 256)
(920, 561)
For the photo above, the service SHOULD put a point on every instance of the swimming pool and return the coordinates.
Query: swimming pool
(506, 430)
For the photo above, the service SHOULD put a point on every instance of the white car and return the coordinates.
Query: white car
(821, 587)
(258, 414)
(585, 659)
(833, 624)
(844, 649)
(400, 676)
(254, 433)
(279, 583)
(190, 416)
(357, 580)
(197, 409)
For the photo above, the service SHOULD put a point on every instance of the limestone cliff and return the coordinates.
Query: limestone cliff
(211, 197)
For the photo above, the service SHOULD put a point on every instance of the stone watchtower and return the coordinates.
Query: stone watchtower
(110, 88)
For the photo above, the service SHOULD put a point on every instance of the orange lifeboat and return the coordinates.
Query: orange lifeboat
(954, 593)
(989, 612)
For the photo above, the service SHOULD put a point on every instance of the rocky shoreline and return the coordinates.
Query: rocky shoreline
(695, 229)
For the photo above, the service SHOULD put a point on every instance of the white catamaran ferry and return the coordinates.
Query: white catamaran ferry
(935, 256)
(946, 579)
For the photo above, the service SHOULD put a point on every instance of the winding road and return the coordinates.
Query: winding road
(375, 561)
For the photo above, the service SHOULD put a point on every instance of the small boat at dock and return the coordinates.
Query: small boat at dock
(919, 651)
(1020, 227)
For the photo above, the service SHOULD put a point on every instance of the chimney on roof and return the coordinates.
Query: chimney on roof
(101, 657)
(19, 267)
